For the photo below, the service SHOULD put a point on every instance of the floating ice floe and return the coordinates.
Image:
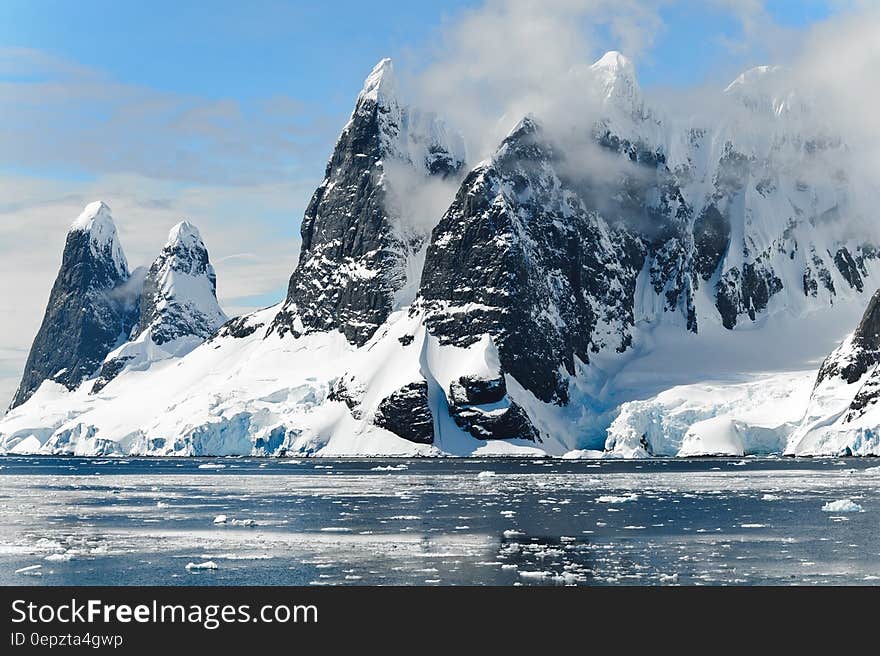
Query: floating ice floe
(220, 519)
(235, 556)
(611, 498)
(243, 522)
(536, 575)
(842, 506)
(211, 465)
(208, 564)
(30, 570)
(486, 474)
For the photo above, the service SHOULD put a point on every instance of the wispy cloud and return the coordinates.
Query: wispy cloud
(505, 59)
(58, 115)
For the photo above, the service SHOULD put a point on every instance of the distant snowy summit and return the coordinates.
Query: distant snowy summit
(649, 285)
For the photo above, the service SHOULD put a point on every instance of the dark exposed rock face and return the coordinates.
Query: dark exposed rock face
(469, 390)
(524, 255)
(867, 396)
(509, 423)
(862, 359)
(745, 292)
(711, 236)
(90, 310)
(406, 413)
(743, 289)
(849, 269)
(481, 407)
(852, 359)
(109, 370)
(353, 255)
(348, 391)
(239, 327)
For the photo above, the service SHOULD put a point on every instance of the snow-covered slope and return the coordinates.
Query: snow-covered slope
(648, 285)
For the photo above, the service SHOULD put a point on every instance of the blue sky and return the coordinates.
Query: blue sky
(320, 52)
(225, 113)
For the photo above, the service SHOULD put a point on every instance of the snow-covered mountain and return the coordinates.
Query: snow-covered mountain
(628, 286)
(842, 417)
(90, 309)
(177, 309)
(359, 252)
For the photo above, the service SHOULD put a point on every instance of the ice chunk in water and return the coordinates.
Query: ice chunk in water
(842, 505)
(611, 498)
(208, 564)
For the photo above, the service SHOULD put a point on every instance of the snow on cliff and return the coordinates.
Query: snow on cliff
(674, 300)
(96, 220)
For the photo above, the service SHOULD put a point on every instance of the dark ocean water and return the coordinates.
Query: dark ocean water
(80, 521)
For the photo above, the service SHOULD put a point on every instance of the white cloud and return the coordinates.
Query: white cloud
(839, 61)
(504, 60)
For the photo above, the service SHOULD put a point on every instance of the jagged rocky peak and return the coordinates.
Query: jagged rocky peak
(180, 290)
(769, 232)
(555, 257)
(525, 256)
(859, 352)
(853, 363)
(410, 134)
(359, 247)
(91, 307)
(177, 309)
